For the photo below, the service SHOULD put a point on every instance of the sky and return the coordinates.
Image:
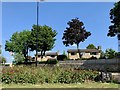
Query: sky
(19, 16)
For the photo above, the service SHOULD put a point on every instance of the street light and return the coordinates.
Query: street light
(37, 31)
(119, 42)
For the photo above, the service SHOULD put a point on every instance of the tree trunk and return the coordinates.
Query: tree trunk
(44, 53)
(78, 50)
(41, 55)
(25, 58)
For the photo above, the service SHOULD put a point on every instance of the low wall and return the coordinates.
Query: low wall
(111, 65)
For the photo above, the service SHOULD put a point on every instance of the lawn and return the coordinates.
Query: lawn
(79, 85)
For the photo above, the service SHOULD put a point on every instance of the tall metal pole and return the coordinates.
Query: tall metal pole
(118, 42)
(37, 32)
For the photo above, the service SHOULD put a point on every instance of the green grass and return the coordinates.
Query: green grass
(79, 85)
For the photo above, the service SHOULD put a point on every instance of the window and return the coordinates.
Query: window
(94, 53)
(83, 53)
(39, 55)
(73, 53)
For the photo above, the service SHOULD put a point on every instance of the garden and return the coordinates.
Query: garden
(51, 77)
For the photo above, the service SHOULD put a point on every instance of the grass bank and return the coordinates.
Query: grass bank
(58, 85)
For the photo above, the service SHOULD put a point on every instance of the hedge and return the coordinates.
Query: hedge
(33, 75)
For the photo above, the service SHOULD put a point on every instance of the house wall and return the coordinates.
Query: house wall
(88, 55)
(85, 55)
(45, 58)
(73, 56)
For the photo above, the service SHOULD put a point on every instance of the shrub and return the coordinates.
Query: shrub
(117, 55)
(77, 77)
(93, 57)
(52, 61)
(61, 57)
(34, 75)
(64, 77)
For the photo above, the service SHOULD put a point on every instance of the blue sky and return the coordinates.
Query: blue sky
(95, 16)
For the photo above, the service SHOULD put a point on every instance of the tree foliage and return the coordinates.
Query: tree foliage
(102, 55)
(18, 43)
(2, 60)
(18, 58)
(114, 29)
(110, 53)
(75, 33)
(91, 46)
(0, 49)
(45, 40)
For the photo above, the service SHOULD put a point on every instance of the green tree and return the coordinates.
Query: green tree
(45, 41)
(114, 29)
(102, 55)
(75, 33)
(64, 53)
(91, 46)
(110, 53)
(2, 60)
(0, 49)
(18, 43)
(117, 54)
(18, 58)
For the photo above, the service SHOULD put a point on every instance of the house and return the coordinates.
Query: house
(48, 55)
(85, 53)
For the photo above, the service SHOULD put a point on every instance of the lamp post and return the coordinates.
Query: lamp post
(119, 42)
(37, 32)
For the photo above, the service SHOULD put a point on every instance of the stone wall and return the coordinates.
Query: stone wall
(112, 65)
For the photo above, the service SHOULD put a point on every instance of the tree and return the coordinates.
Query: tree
(18, 58)
(110, 53)
(0, 49)
(75, 33)
(91, 46)
(18, 43)
(102, 55)
(117, 54)
(114, 29)
(46, 38)
(2, 60)
(64, 53)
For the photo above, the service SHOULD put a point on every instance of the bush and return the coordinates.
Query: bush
(61, 57)
(65, 77)
(93, 57)
(117, 55)
(34, 75)
(52, 61)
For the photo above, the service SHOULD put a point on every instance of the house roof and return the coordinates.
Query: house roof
(83, 50)
(49, 53)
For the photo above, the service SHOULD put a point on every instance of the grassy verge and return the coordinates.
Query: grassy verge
(79, 85)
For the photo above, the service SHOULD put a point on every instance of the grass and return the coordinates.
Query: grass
(79, 85)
